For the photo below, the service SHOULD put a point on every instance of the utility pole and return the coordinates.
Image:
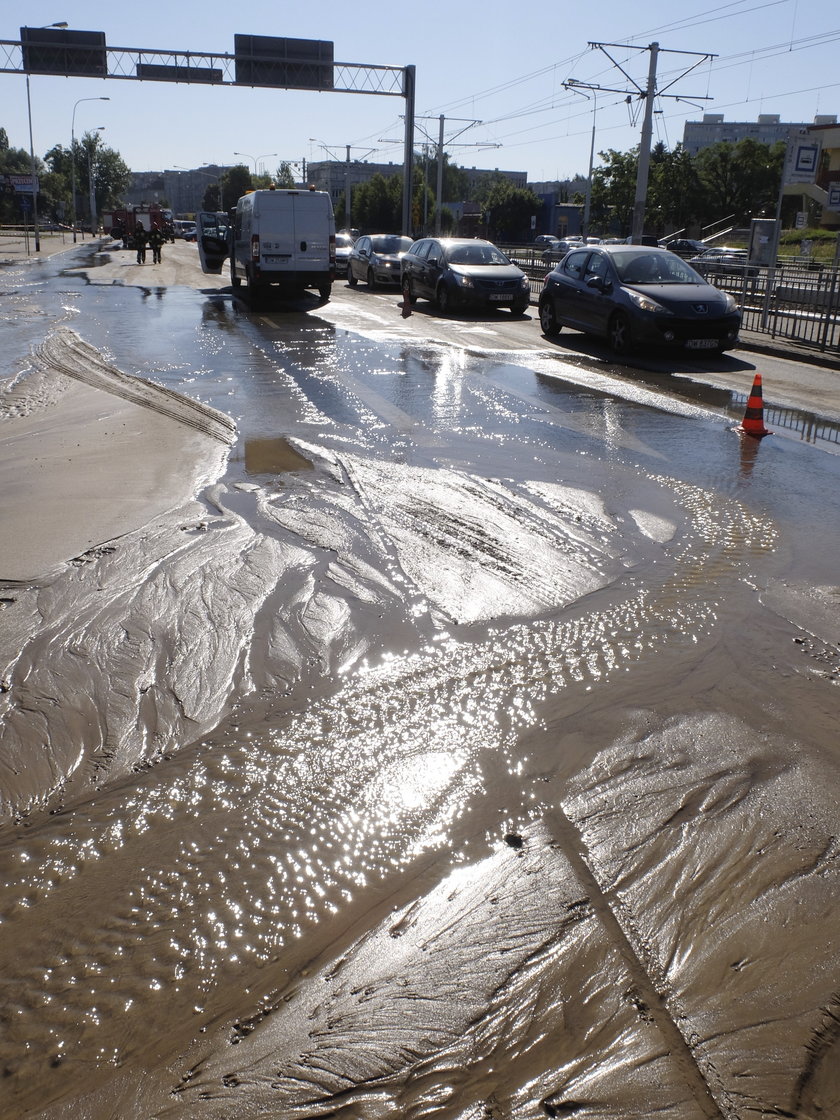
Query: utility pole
(648, 95)
(439, 147)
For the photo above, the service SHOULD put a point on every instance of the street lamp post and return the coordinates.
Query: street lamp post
(572, 85)
(266, 155)
(73, 154)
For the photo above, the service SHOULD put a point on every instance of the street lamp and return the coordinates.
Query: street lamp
(32, 153)
(73, 152)
(91, 185)
(572, 84)
(266, 155)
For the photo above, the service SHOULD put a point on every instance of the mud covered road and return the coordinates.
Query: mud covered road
(448, 727)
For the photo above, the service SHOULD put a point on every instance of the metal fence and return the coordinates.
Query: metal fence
(796, 301)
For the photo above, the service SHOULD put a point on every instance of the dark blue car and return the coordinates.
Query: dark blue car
(633, 295)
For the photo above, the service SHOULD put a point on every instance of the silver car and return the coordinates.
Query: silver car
(376, 258)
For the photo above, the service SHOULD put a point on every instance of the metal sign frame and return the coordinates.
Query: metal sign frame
(198, 67)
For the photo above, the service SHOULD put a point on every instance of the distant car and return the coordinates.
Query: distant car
(546, 241)
(185, 230)
(723, 261)
(637, 295)
(461, 272)
(557, 251)
(375, 258)
(686, 246)
(343, 247)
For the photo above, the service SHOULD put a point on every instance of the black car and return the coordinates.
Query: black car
(464, 272)
(375, 258)
(634, 295)
(686, 246)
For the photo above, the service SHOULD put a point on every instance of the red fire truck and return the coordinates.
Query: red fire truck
(121, 224)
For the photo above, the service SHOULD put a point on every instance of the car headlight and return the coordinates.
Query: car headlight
(730, 303)
(462, 280)
(525, 283)
(645, 303)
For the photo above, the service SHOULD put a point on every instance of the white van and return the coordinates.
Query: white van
(284, 238)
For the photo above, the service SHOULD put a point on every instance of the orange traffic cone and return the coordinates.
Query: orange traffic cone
(753, 422)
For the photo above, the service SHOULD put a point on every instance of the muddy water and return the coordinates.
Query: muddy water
(473, 754)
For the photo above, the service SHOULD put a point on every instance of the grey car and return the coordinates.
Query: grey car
(456, 272)
(375, 258)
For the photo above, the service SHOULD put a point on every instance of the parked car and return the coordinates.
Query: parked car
(686, 246)
(723, 261)
(635, 295)
(457, 272)
(556, 252)
(343, 248)
(184, 229)
(546, 241)
(375, 258)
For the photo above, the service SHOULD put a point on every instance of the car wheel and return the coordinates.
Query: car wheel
(371, 279)
(444, 299)
(548, 319)
(351, 278)
(620, 337)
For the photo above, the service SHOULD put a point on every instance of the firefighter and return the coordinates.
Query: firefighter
(140, 240)
(156, 240)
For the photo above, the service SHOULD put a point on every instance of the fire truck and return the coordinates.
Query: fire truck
(121, 224)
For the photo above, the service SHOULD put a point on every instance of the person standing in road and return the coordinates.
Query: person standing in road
(140, 239)
(156, 240)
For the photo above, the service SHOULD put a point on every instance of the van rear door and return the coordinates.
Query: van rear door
(212, 235)
(314, 231)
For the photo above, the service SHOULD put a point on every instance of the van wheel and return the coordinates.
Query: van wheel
(324, 291)
(371, 279)
(236, 281)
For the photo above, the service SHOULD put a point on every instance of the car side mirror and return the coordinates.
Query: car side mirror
(599, 283)
(433, 260)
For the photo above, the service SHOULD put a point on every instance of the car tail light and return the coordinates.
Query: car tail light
(255, 247)
(332, 248)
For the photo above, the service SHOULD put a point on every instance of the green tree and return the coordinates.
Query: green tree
(675, 194)
(236, 181)
(15, 161)
(511, 208)
(614, 191)
(377, 204)
(284, 176)
(741, 179)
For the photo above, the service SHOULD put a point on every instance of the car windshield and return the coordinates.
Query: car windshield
(391, 244)
(654, 268)
(476, 254)
(343, 240)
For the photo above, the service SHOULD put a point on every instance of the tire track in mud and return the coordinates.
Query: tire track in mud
(181, 841)
(64, 352)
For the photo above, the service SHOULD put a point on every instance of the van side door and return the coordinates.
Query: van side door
(213, 237)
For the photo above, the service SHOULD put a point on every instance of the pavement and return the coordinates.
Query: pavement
(15, 249)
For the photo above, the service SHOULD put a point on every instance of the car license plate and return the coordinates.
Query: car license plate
(501, 295)
(702, 344)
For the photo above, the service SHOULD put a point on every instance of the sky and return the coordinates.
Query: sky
(495, 75)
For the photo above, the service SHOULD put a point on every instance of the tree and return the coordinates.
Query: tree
(674, 198)
(14, 161)
(284, 176)
(511, 208)
(614, 191)
(236, 181)
(740, 179)
(377, 204)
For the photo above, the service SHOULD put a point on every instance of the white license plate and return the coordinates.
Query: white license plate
(702, 344)
(500, 296)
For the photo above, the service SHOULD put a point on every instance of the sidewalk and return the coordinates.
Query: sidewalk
(13, 247)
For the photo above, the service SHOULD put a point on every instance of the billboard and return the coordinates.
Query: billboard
(55, 50)
(262, 60)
